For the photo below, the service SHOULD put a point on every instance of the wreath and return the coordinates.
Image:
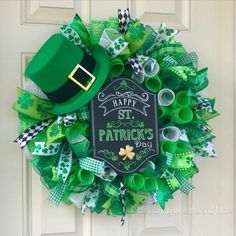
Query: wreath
(112, 116)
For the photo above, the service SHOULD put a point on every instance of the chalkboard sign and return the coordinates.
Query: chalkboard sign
(124, 125)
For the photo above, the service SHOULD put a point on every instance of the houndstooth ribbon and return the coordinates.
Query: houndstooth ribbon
(124, 19)
(31, 132)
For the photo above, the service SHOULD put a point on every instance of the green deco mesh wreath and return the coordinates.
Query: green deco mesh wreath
(58, 137)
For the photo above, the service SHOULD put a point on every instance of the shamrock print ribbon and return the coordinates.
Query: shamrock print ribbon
(114, 43)
(44, 149)
(163, 35)
(65, 162)
(90, 197)
(77, 33)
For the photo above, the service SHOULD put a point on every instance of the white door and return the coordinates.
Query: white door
(208, 27)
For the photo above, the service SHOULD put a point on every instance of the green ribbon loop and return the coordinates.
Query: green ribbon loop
(178, 77)
(78, 143)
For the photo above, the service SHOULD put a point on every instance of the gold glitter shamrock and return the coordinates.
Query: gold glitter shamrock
(127, 152)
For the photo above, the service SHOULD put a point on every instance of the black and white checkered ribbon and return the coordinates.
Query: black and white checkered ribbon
(31, 132)
(124, 19)
(122, 199)
(67, 120)
(136, 66)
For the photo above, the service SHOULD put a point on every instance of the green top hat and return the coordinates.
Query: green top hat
(66, 74)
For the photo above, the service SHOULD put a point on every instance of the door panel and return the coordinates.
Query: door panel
(207, 27)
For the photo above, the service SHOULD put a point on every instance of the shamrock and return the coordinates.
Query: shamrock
(71, 37)
(45, 150)
(68, 30)
(54, 130)
(63, 27)
(169, 32)
(127, 152)
(25, 101)
(137, 32)
(123, 85)
(117, 47)
(76, 40)
(38, 147)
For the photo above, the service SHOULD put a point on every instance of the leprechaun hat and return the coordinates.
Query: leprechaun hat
(67, 74)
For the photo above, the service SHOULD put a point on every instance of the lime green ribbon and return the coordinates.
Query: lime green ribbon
(139, 37)
(96, 28)
(32, 106)
(182, 160)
